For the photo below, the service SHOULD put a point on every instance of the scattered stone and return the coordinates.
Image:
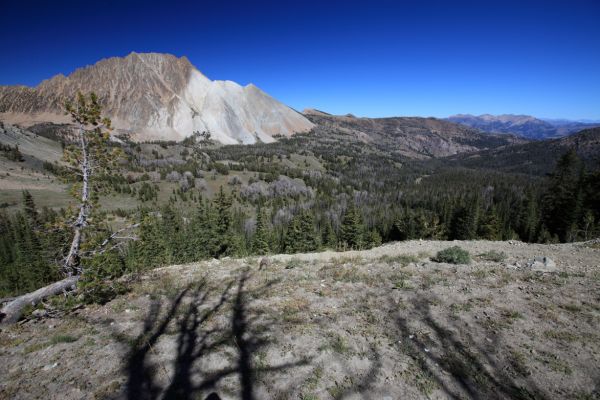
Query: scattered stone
(50, 366)
(264, 262)
(542, 264)
(39, 313)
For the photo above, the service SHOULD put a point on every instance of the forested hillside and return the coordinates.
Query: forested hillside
(329, 188)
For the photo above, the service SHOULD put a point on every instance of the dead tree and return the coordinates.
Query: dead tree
(92, 154)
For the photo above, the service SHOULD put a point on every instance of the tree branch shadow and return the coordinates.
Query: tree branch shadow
(462, 366)
(191, 314)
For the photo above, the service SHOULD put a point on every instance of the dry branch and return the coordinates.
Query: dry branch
(12, 311)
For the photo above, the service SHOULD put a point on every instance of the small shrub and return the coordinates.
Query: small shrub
(401, 281)
(453, 255)
(339, 345)
(402, 284)
(492, 255)
(293, 263)
(402, 259)
(62, 339)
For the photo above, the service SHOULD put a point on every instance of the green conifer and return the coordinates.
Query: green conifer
(563, 199)
(328, 237)
(260, 241)
(352, 228)
(489, 226)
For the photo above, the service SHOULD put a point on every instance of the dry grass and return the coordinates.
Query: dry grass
(385, 324)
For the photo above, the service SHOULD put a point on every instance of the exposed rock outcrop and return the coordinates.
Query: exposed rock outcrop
(158, 96)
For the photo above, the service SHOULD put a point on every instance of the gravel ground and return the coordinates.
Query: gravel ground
(386, 323)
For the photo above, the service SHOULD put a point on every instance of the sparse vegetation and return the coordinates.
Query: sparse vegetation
(560, 336)
(335, 320)
(492, 255)
(403, 259)
(453, 255)
(62, 339)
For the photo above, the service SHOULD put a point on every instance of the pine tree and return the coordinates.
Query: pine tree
(352, 228)
(94, 158)
(171, 229)
(405, 227)
(23, 234)
(563, 199)
(7, 240)
(223, 236)
(489, 226)
(464, 224)
(592, 203)
(328, 237)
(260, 241)
(151, 250)
(528, 219)
(373, 239)
(30, 208)
(309, 239)
(200, 242)
(293, 236)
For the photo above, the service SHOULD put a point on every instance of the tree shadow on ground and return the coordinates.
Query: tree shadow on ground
(462, 366)
(366, 382)
(191, 317)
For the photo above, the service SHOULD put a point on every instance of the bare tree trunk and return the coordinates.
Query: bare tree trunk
(12, 311)
(71, 265)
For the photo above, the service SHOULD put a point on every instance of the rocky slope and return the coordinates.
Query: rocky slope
(158, 96)
(386, 323)
(522, 125)
(410, 136)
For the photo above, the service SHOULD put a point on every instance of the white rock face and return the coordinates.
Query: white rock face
(158, 96)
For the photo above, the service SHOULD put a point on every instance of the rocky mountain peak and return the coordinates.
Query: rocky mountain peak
(158, 96)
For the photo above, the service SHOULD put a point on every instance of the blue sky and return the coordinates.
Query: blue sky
(373, 58)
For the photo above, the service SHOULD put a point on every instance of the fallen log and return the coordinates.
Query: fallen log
(12, 311)
(6, 299)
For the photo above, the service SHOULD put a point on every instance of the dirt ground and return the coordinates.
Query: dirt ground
(386, 323)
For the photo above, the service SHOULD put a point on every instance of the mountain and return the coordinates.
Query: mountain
(413, 137)
(157, 96)
(536, 157)
(522, 125)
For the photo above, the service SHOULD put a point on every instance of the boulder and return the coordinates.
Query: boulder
(542, 264)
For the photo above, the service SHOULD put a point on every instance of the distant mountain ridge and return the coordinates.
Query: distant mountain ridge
(535, 157)
(414, 137)
(157, 96)
(523, 125)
